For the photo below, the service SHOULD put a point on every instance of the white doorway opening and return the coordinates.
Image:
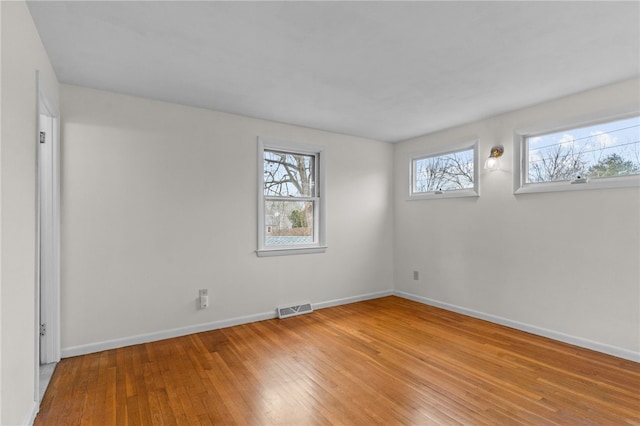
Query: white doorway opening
(48, 241)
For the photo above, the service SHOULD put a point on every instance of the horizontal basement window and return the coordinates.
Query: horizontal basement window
(444, 174)
(603, 154)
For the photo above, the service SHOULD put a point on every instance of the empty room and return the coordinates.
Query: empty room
(296, 212)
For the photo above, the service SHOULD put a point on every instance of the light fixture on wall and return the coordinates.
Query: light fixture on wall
(493, 162)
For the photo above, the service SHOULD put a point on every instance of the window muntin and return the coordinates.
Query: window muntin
(290, 206)
(603, 150)
(449, 174)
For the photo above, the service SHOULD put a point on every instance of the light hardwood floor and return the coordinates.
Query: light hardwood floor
(383, 361)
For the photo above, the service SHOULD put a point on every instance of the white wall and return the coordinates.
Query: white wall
(566, 263)
(22, 55)
(160, 200)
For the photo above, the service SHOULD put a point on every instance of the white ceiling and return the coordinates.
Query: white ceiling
(382, 70)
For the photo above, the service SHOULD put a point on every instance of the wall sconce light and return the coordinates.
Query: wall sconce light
(493, 162)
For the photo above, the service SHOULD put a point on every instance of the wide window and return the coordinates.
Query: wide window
(599, 155)
(448, 174)
(290, 219)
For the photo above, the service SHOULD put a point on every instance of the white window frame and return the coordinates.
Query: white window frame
(521, 167)
(319, 238)
(457, 193)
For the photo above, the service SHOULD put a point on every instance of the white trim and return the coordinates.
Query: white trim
(46, 107)
(198, 328)
(520, 184)
(31, 416)
(51, 299)
(36, 308)
(458, 193)
(275, 144)
(49, 216)
(54, 318)
(436, 195)
(600, 183)
(352, 299)
(555, 335)
(290, 251)
(183, 331)
(161, 335)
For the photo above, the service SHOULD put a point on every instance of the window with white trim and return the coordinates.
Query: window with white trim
(290, 206)
(444, 174)
(599, 154)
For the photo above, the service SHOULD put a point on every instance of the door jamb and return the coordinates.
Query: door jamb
(45, 106)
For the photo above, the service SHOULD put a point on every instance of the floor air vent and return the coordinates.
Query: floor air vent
(290, 311)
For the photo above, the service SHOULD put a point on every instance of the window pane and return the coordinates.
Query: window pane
(288, 222)
(288, 174)
(607, 149)
(443, 172)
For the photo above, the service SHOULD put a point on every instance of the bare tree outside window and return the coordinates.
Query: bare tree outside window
(563, 161)
(289, 191)
(602, 150)
(288, 175)
(447, 172)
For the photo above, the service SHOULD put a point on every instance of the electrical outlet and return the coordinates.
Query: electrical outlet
(204, 298)
(416, 275)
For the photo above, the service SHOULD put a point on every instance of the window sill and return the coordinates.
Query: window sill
(290, 251)
(600, 183)
(444, 194)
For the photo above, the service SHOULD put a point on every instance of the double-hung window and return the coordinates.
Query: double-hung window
(290, 201)
(444, 174)
(601, 154)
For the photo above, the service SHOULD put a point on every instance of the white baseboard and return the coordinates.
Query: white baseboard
(353, 299)
(161, 335)
(555, 335)
(197, 328)
(183, 331)
(31, 416)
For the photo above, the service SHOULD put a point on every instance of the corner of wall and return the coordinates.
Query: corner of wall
(22, 54)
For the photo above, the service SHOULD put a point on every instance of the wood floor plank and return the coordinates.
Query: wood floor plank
(383, 361)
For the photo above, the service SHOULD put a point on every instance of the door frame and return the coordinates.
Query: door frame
(50, 300)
